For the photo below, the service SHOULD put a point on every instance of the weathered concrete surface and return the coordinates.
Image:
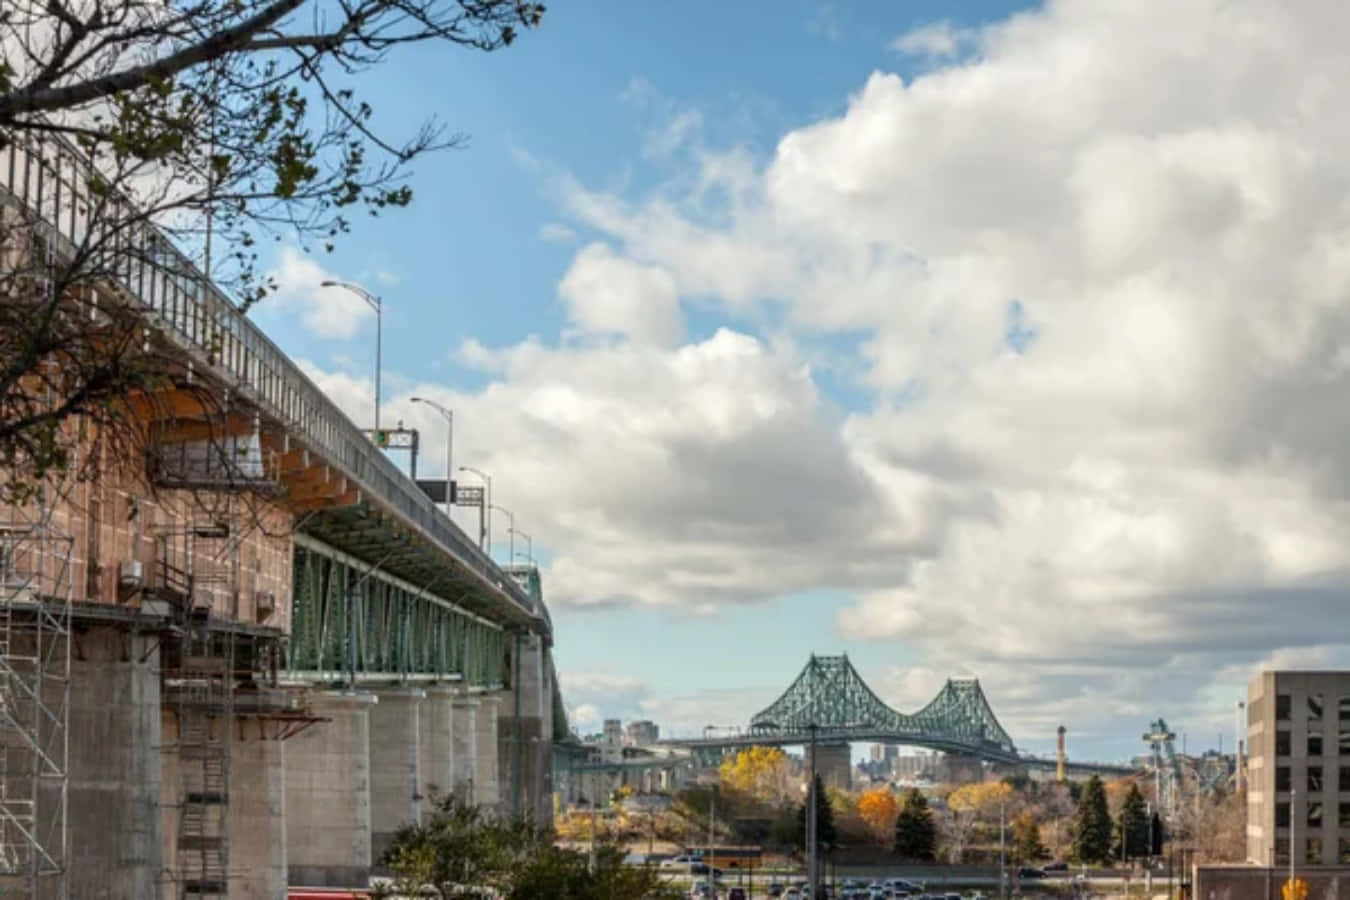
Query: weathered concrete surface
(435, 730)
(327, 797)
(485, 785)
(395, 776)
(465, 739)
(115, 831)
(257, 816)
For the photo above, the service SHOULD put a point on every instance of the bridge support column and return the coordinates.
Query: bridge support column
(961, 768)
(486, 788)
(435, 730)
(524, 735)
(395, 771)
(257, 817)
(328, 795)
(115, 763)
(464, 757)
(834, 764)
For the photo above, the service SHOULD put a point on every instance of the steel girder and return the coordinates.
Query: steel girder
(831, 699)
(350, 620)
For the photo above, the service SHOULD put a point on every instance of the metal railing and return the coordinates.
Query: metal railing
(50, 177)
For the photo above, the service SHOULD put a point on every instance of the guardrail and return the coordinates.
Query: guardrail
(50, 177)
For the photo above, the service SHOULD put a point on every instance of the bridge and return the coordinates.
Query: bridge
(255, 572)
(829, 705)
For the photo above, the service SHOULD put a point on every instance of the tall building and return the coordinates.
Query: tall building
(1298, 739)
(612, 744)
(643, 733)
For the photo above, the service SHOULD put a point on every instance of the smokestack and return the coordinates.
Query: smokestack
(1059, 755)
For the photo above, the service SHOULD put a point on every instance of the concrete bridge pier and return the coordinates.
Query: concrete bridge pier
(327, 796)
(833, 764)
(257, 817)
(395, 770)
(435, 731)
(525, 733)
(486, 787)
(464, 758)
(115, 762)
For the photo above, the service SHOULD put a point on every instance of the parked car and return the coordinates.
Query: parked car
(1030, 872)
(736, 893)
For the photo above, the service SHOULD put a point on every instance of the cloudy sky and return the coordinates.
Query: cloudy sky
(960, 337)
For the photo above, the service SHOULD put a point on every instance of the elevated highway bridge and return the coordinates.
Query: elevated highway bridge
(265, 647)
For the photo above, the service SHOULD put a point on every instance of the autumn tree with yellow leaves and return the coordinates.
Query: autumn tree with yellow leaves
(758, 772)
(878, 809)
(968, 808)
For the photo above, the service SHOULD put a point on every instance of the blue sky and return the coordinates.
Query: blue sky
(873, 328)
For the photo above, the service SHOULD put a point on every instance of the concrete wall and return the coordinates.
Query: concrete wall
(465, 756)
(435, 732)
(486, 787)
(257, 817)
(328, 795)
(395, 771)
(115, 831)
(834, 764)
(533, 735)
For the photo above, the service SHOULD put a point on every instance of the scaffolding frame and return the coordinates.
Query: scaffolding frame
(36, 593)
(197, 566)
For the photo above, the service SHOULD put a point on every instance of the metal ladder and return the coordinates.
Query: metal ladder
(205, 708)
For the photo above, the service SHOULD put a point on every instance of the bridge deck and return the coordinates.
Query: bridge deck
(48, 177)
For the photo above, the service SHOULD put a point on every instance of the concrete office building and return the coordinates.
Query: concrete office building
(1298, 739)
(642, 733)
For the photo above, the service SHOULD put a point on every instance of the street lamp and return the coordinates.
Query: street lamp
(449, 416)
(812, 861)
(375, 304)
(510, 529)
(529, 546)
(484, 531)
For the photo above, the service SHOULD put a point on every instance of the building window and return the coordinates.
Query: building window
(1283, 743)
(1314, 779)
(1345, 849)
(1314, 851)
(1282, 706)
(1314, 814)
(1344, 744)
(1345, 709)
(1314, 707)
(1282, 815)
(1345, 778)
(1314, 745)
(1344, 815)
(1282, 850)
(1282, 778)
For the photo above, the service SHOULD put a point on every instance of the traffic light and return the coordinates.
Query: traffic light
(381, 438)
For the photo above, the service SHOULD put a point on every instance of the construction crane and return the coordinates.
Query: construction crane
(1166, 767)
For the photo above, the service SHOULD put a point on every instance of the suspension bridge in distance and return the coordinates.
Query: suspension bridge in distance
(829, 704)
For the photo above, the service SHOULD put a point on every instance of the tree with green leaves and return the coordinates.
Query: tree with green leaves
(1132, 825)
(169, 140)
(915, 830)
(1092, 826)
(827, 835)
(463, 853)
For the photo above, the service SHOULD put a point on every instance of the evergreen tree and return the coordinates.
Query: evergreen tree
(915, 830)
(1092, 825)
(1156, 834)
(1132, 827)
(827, 836)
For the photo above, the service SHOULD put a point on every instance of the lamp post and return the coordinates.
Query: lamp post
(510, 530)
(449, 416)
(375, 304)
(529, 546)
(1002, 853)
(484, 531)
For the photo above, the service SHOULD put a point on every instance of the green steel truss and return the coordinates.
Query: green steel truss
(350, 621)
(830, 698)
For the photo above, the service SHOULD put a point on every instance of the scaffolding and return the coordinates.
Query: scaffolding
(35, 616)
(197, 571)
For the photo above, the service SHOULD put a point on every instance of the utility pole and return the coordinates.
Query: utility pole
(1002, 854)
(712, 827)
(812, 861)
